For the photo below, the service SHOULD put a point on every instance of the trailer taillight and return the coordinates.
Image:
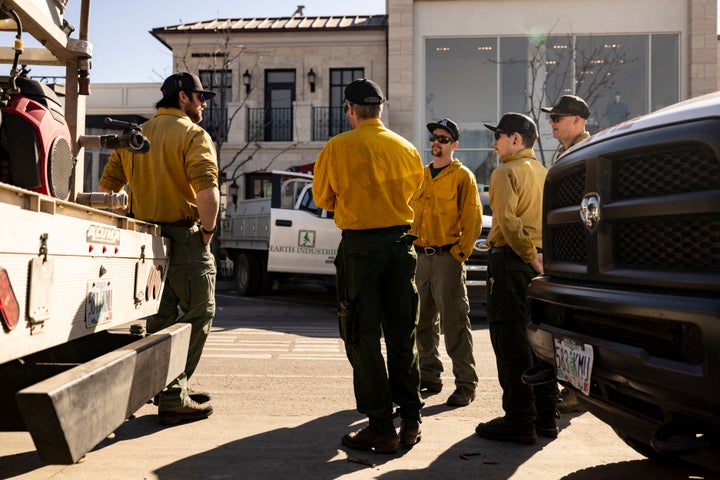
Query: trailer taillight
(9, 308)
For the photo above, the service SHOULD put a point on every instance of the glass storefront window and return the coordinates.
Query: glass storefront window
(460, 78)
(560, 73)
(665, 71)
(612, 76)
(515, 58)
(461, 82)
(475, 80)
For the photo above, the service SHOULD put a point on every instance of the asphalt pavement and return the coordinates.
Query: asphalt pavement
(282, 394)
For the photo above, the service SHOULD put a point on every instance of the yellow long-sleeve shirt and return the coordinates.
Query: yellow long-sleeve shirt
(367, 176)
(448, 210)
(516, 191)
(164, 181)
(561, 149)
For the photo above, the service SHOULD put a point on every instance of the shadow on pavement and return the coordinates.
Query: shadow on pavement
(641, 469)
(19, 464)
(308, 451)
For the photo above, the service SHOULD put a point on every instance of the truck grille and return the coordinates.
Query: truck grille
(683, 168)
(673, 243)
(659, 194)
(570, 244)
(570, 191)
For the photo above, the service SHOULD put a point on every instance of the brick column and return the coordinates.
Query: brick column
(400, 66)
(702, 49)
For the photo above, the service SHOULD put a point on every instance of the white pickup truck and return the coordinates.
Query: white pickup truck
(278, 232)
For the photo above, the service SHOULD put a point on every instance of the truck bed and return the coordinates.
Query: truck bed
(73, 270)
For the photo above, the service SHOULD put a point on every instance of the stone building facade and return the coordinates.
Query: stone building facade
(281, 79)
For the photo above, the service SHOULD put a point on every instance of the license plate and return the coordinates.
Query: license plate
(573, 363)
(98, 305)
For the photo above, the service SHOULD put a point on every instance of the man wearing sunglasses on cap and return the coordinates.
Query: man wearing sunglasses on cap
(567, 119)
(448, 220)
(175, 184)
(515, 241)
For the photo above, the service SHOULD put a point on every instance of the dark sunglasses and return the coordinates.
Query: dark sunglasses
(440, 139)
(498, 133)
(556, 117)
(201, 96)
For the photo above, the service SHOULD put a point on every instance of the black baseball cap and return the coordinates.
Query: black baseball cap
(184, 82)
(515, 122)
(364, 92)
(569, 105)
(446, 124)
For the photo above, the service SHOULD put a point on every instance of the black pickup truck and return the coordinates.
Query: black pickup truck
(628, 310)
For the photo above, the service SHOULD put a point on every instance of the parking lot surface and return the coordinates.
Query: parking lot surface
(282, 394)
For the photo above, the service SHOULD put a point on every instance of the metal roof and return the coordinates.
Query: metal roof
(277, 24)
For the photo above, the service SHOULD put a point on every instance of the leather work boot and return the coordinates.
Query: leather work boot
(189, 413)
(505, 431)
(410, 431)
(461, 397)
(567, 403)
(546, 423)
(198, 396)
(367, 439)
(430, 387)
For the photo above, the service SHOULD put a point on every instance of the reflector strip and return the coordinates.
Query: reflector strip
(9, 308)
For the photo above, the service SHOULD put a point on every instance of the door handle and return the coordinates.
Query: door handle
(283, 223)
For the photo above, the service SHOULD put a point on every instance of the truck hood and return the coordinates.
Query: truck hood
(693, 109)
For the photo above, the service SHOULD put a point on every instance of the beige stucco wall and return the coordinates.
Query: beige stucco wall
(299, 51)
(123, 99)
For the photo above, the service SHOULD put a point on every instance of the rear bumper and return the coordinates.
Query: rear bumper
(656, 357)
(70, 413)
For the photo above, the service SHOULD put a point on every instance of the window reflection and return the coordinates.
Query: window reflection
(620, 76)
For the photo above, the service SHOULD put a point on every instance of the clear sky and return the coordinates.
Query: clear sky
(124, 51)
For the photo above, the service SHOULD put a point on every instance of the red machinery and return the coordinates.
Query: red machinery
(35, 142)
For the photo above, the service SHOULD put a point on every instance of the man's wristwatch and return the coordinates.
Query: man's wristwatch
(208, 232)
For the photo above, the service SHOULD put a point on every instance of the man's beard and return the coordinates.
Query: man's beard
(436, 152)
(195, 115)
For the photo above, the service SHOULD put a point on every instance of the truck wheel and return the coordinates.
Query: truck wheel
(248, 274)
(266, 281)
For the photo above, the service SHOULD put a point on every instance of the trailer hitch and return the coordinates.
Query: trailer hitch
(539, 374)
(679, 439)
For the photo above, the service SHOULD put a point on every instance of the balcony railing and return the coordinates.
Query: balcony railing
(328, 122)
(270, 124)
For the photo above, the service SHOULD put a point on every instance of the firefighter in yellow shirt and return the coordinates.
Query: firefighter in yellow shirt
(367, 176)
(515, 241)
(448, 220)
(567, 119)
(175, 184)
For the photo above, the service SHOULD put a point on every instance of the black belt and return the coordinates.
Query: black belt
(377, 231)
(434, 250)
(180, 223)
(508, 249)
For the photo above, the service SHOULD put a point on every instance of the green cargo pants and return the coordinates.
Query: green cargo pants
(508, 280)
(189, 286)
(444, 303)
(377, 296)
